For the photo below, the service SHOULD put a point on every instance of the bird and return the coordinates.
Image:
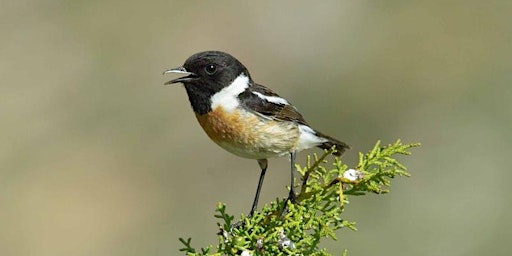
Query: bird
(245, 118)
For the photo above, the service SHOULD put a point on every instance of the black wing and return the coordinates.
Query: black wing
(274, 107)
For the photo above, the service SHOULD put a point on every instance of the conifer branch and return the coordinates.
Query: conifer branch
(319, 212)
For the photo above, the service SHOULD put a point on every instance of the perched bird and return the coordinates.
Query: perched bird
(246, 118)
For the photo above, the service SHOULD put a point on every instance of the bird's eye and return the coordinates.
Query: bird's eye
(210, 69)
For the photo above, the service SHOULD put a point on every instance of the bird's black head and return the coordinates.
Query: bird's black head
(207, 73)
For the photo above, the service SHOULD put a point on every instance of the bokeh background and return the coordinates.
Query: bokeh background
(98, 157)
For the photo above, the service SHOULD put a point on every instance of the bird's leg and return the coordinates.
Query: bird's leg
(263, 163)
(292, 197)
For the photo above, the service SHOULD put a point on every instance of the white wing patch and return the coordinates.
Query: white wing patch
(273, 99)
(227, 98)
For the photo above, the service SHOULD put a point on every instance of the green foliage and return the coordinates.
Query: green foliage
(299, 229)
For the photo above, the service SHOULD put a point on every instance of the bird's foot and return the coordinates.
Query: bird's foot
(292, 197)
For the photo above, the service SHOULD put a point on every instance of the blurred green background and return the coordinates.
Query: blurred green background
(98, 157)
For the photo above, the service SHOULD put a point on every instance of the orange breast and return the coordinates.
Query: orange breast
(248, 135)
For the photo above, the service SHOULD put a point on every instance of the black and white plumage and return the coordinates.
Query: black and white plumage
(246, 118)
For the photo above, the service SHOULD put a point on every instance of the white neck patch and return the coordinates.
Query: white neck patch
(227, 98)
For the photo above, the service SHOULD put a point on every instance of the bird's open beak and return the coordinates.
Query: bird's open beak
(180, 70)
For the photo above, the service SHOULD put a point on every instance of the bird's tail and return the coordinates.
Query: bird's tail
(341, 147)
